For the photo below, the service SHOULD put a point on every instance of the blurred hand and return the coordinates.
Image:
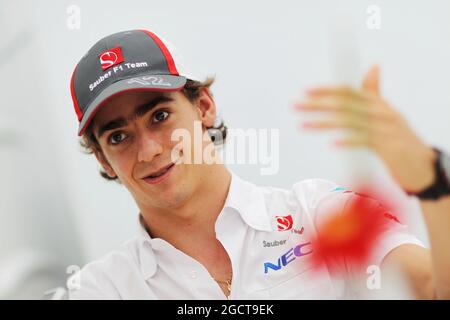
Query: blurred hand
(372, 122)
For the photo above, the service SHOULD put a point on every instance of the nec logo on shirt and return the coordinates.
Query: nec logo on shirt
(298, 251)
(111, 58)
(284, 223)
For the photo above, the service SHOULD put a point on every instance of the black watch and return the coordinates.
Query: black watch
(441, 184)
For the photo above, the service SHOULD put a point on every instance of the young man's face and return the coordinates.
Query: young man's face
(134, 131)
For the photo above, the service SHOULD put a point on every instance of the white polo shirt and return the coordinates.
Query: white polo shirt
(265, 231)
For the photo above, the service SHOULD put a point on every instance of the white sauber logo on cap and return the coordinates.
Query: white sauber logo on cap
(111, 58)
(107, 59)
(149, 80)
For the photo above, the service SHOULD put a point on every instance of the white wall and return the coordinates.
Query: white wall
(264, 54)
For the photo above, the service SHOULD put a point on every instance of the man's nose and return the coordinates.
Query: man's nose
(149, 147)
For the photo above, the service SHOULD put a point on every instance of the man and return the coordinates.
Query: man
(204, 232)
(419, 169)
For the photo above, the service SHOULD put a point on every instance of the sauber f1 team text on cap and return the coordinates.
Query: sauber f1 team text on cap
(124, 61)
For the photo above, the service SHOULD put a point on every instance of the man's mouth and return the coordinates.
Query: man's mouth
(159, 175)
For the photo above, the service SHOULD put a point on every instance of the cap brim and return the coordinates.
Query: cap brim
(143, 82)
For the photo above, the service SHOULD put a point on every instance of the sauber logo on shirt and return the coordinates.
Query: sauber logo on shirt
(275, 243)
(111, 58)
(298, 231)
(284, 223)
(298, 251)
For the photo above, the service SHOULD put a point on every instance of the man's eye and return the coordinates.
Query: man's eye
(160, 115)
(117, 137)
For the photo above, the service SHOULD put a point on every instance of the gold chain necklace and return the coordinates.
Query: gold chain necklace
(226, 282)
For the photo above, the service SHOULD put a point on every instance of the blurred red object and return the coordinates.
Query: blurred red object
(350, 235)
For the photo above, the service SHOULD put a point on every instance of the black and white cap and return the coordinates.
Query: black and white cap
(124, 61)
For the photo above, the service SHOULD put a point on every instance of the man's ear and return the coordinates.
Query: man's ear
(104, 163)
(206, 107)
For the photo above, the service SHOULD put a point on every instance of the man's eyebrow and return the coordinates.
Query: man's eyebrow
(114, 124)
(139, 112)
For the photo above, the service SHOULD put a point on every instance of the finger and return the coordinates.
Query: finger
(340, 92)
(339, 106)
(353, 142)
(318, 105)
(351, 123)
(354, 136)
(371, 82)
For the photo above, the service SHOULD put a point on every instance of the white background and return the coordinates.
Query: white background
(264, 54)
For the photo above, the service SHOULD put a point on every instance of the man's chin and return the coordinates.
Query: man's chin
(172, 192)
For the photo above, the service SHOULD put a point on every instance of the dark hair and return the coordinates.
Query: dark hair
(191, 90)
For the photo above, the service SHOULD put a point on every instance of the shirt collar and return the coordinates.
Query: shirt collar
(245, 197)
(249, 201)
(146, 255)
